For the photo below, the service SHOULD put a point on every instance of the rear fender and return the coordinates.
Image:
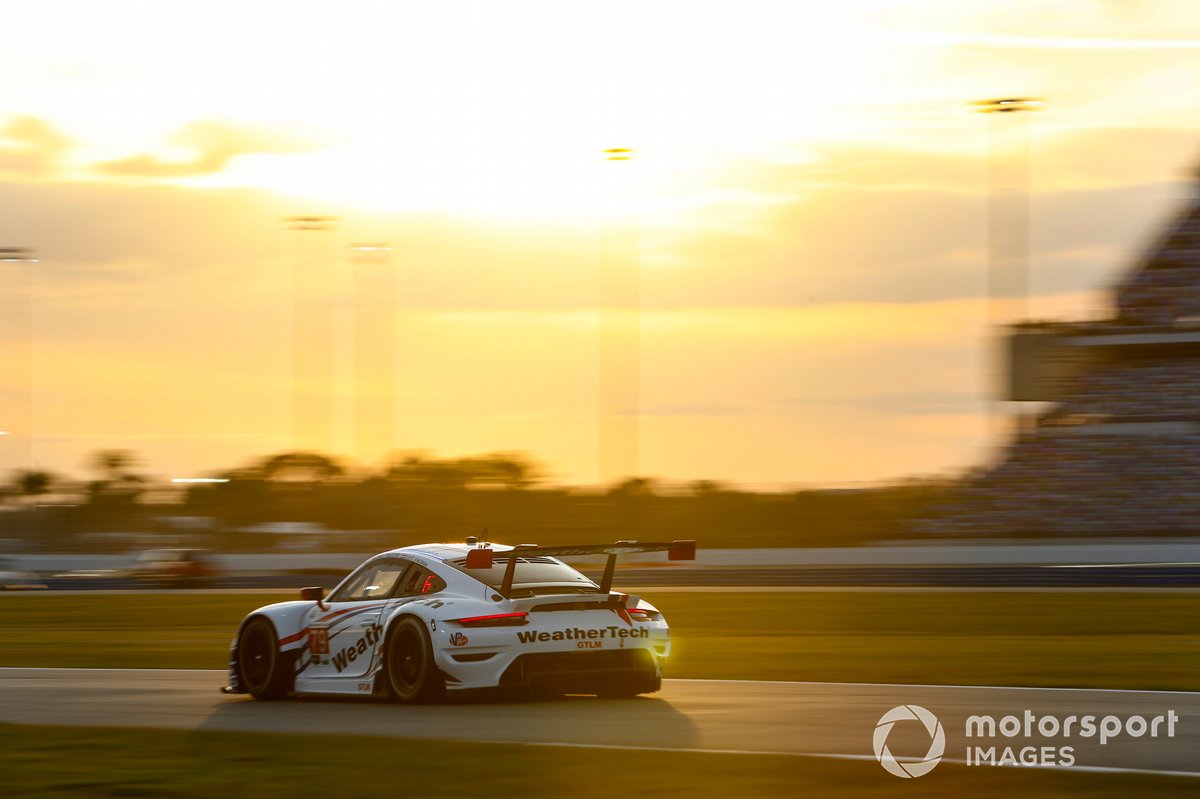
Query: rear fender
(432, 612)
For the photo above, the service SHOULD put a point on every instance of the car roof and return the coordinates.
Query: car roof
(442, 551)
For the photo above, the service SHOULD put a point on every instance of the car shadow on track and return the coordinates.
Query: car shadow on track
(643, 721)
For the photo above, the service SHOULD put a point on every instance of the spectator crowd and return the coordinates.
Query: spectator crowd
(1120, 455)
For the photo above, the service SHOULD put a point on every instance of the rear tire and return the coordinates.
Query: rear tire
(260, 664)
(410, 673)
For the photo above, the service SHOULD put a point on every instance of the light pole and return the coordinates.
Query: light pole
(620, 333)
(16, 420)
(1008, 283)
(374, 349)
(1008, 209)
(313, 296)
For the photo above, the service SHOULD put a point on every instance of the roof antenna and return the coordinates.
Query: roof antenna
(485, 532)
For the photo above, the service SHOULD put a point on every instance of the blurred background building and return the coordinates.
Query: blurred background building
(1114, 446)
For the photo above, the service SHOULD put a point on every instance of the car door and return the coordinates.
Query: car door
(344, 635)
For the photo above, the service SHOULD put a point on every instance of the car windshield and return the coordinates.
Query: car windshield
(531, 573)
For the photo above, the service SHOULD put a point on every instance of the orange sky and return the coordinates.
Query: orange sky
(808, 191)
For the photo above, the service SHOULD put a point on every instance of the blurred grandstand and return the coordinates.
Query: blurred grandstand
(1117, 451)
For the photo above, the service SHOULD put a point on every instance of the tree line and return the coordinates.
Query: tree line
(421, 498)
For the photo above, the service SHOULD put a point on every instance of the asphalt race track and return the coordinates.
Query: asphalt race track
(832, 719)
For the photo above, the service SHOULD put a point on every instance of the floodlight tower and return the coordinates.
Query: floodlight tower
(16, 349)
(620, 331)
(1008, 208)
(313, 303)
(374, 349)
(1008, 283)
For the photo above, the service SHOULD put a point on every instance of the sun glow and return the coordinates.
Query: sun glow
(479, 109)
(477, 181)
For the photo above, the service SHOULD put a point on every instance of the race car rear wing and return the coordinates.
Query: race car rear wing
(481, 558)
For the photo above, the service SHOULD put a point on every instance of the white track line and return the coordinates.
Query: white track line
(825, 755)
(928, 685)
(1089, 769)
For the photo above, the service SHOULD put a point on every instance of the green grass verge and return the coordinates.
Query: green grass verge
(1088, 640)
(58, 761)
(1117, 640)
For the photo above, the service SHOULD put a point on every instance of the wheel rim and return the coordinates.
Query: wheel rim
(407, 660)
(256, 657)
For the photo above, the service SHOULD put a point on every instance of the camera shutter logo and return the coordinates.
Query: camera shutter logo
(937, 745)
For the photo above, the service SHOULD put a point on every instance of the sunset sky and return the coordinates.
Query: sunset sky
(809, 190)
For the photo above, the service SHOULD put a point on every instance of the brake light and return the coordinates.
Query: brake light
(479, 559)
(498, 620)
(641, 614)
(682, 550)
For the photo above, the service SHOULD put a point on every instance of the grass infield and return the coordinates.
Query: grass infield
(58, 761)
(1094, 640)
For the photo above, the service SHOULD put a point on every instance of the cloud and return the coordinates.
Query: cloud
(84, 227)
(214, 143)
(935, 39)
(833, 236)
(33, 147)
(907, 403)
(694, 409)
(1061, 159)
(859, 224)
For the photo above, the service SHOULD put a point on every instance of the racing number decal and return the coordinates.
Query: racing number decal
(318, 640)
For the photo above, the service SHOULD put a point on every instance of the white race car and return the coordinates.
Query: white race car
(414, 623)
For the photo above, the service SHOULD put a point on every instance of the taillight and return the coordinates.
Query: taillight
(498, 620)
(641, 614)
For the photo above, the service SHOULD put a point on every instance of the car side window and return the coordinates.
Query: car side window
(420, 581)
(376, 580)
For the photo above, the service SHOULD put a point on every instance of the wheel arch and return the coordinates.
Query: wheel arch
(424, 622)
(285, 660)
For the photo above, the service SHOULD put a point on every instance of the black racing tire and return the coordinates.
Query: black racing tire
(261, 667)
(409, 671)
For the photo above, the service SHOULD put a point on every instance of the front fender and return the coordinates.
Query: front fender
(288, 618)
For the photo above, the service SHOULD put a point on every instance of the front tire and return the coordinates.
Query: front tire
(411, 675)
(260, 666)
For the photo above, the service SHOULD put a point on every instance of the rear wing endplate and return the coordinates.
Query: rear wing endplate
(481, 558)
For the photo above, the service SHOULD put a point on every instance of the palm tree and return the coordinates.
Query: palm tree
(31, 483)
(305, 467)
(118, 483)
(113, 464)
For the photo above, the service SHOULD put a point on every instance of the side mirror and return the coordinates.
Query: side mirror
(479, 559)
(312, 593)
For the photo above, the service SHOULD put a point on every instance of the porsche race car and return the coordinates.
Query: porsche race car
(414, 623)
